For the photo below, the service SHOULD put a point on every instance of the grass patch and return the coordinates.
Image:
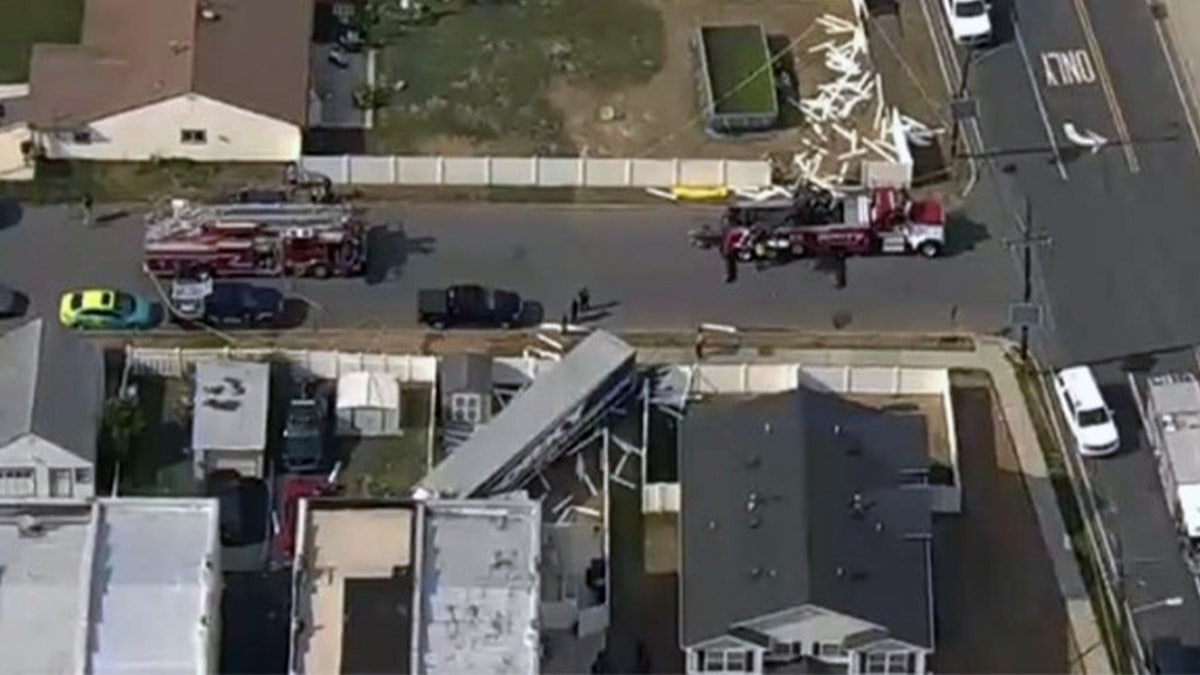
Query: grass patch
(389, 467)
(62, 181)
(739, 77)
(1109, 617)
(26, 22)
(157, 465)
(479, 73)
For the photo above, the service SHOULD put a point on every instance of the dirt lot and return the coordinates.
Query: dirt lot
(998, 607)
(540, 76)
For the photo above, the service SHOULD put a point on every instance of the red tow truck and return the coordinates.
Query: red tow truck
(882, 221)
(256, 240)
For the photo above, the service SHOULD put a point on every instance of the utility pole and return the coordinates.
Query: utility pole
(1026, 312)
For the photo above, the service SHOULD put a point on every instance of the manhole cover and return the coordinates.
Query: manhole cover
(1158, 10)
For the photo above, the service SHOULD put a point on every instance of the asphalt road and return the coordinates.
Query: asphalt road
(1118, 276)
(635, 260)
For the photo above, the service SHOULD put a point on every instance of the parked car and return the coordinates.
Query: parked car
(1088, 417)
(226, 304)
(106, 309)
(469, 306)
(308, 431)
(970, 23)
(294, 489)
(244, 505)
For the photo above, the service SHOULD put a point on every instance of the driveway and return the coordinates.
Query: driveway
(333, 88)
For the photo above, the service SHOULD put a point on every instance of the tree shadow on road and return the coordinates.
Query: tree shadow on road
(11, 212)
(388, 250)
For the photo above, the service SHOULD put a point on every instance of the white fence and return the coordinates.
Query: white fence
(548, 172)
(754, 378)
(175, 362)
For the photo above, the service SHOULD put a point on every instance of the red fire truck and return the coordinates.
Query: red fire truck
(260, 240)
(882, 221)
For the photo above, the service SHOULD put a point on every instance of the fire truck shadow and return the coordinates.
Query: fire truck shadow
(388, 250)
(963, 234)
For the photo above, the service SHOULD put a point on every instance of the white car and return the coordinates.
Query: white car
(1088, 416)
(969, 21)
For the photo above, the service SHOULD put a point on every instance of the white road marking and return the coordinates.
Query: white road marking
(1066, 68)
(1041, 105)
(1114, 107)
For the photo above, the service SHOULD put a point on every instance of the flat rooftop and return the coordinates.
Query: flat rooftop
(42, 589)
(480, 586)
(358, 616)
(152, 574)
(78, 582)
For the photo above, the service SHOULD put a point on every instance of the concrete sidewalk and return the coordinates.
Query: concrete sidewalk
(1181, 26)
(1088, 653)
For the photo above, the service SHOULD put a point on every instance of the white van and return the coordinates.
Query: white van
(1088, 416)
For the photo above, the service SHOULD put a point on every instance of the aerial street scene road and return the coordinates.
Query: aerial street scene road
(565, 336)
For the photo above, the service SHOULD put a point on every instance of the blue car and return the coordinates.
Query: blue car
(105, 309)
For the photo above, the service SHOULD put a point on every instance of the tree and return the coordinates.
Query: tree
(122, 423)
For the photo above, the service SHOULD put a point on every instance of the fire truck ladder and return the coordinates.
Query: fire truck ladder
(185, 217)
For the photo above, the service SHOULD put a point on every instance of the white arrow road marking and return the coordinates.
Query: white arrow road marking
(1087, 139)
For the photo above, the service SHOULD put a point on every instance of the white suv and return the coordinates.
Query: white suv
(969, 21)
(1088, 416)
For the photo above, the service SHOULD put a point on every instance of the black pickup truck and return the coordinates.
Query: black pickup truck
(470, 306)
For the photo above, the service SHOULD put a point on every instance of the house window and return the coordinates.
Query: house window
(193, 136)
(83, 137)
(83, 476)
(900, 662)
(829, 651)
(60, 483)
(875, 662)
(785, 651)
(466, 407)
(18, 483)
(892, 663)
(725, 661)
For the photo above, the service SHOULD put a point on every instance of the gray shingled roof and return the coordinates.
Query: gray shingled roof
(509, 435)
(781, 452)
(52, 386)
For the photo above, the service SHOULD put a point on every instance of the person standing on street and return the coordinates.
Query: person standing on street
(575, 311)
(585, 299)
(86, 215)
(730, 268)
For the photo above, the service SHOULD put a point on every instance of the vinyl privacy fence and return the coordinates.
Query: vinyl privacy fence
(550, 172)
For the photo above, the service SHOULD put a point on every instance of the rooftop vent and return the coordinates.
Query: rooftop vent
(755, 572)
(755, 523)
(766, 427)
(209, 14)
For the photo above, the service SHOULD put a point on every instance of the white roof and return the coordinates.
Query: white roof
(153, 558)
(368, 390)
(1189, 508)
(1174, 403)
(230, 406)
(42, 592)
(1081, 384)
(481, 587)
